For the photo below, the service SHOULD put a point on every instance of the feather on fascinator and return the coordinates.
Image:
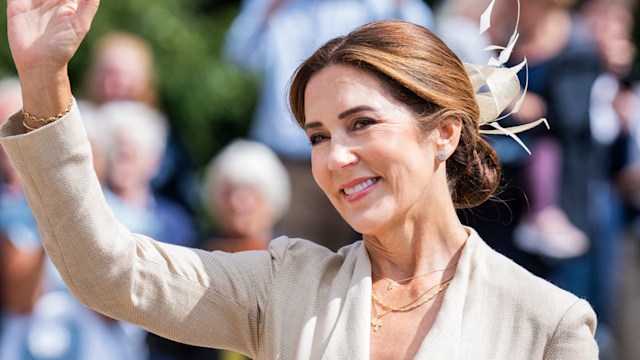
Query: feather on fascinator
(497, 87)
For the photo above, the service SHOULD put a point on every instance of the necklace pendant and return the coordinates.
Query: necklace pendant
(376, 323)
(391, 285)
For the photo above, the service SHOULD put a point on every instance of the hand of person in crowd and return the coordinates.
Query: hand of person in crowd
(43, 36)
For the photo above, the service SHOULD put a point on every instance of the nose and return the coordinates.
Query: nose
(240, 199)
(341, 156)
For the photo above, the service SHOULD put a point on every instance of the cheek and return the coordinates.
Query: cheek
(319, 169)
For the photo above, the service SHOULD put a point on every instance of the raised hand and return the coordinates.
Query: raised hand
(44, 34)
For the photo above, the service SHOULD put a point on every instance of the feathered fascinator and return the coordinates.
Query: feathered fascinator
(497, 87)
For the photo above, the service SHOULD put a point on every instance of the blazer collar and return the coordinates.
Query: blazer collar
(442, 341)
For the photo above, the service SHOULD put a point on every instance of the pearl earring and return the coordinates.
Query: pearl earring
(441, 155)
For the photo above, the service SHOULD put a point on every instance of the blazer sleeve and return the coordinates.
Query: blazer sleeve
(574, 335)
(210, 299)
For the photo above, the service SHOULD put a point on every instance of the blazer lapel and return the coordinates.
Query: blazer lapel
(443, 340)
(351, 336)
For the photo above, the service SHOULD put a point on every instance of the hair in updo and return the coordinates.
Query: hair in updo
(418, 69)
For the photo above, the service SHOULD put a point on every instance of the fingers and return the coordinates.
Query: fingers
(87, 9)
(89, 5)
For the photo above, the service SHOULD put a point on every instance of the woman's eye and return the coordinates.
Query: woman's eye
(362, 123)
(316, 139)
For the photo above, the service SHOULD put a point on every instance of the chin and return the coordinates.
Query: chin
(368, 225)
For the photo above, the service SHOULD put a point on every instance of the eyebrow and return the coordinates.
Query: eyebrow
(354, 110)
(341, 116)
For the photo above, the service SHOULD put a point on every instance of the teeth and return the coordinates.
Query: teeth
(359, 187)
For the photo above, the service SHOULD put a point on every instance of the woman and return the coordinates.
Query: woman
(246, 192)
(394, 162)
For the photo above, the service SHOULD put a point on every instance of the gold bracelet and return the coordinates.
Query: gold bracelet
(29, 128)
(46, 121)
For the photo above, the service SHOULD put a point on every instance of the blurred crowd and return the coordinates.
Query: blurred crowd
(569, 212)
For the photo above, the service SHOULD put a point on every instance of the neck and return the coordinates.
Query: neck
(137, 197)
(263, 236)
(419, 247)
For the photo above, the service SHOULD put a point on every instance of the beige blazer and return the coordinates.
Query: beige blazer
(296, 300)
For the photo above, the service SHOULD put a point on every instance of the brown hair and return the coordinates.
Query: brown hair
(419, 70)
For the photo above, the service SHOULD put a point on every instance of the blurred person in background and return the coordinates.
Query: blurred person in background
(122, 69)
(137, 143)
(557, 223)
(246, 193)
(563, 66)
(21, 268)
(610, 24)
(615, 103)
(40, 318)
(626, 309)
(271, 38)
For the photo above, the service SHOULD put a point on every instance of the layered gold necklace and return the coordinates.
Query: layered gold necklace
(376, 322)
(392, 283)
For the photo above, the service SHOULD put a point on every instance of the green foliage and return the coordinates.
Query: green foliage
(208, 100)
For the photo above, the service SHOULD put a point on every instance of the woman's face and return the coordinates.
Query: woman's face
(242, 210)
(131, 166)
(368, 156)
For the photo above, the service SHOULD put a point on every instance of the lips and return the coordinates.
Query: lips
(354, 189)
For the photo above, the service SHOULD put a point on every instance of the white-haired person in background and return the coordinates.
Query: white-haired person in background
(246, 192)
(138, 135)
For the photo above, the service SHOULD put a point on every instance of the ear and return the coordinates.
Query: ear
(449, 135)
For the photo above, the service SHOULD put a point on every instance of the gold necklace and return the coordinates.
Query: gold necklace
(392, 283)
(376, 323)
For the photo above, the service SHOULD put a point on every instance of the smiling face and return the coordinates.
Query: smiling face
(406, 62)
(368, 155)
